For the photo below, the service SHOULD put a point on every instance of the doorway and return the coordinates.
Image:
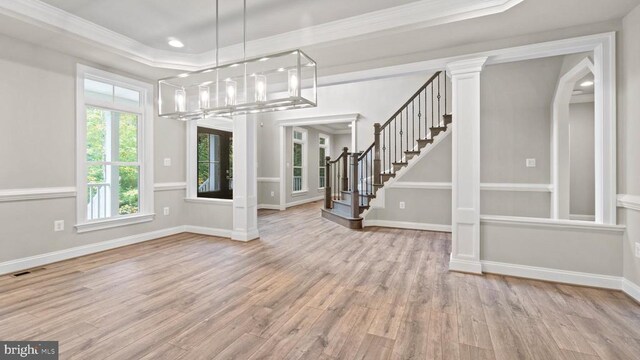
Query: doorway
(215, 164)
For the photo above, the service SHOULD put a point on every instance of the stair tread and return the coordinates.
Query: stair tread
(412, 152)
(399, 163)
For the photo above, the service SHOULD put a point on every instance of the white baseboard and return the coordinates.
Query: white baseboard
(48, 258)
(631, 289)
(408, 225)
(305, 201)
(207, 231)
(467, 266)
(555, 275)
(269, 207)
(12, 266)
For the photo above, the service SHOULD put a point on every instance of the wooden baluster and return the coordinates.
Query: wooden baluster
(345, 169)
(377, 177)
(355, 194)
(327, 183)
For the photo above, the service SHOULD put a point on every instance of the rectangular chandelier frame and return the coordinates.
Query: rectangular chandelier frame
(275, 82)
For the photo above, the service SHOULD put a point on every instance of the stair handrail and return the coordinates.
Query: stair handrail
(411, 99)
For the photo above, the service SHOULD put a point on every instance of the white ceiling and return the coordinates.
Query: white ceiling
(152, 22)
(362, 40)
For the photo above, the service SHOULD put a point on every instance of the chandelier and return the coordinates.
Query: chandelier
(274, 82)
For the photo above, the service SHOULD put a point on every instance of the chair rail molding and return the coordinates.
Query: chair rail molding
(509, 187)
(631, 202)
(9, 195)
(170, 186)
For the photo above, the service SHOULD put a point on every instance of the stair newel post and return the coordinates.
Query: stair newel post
(327, 185)
(377, 177)
(355, 194)
(345, 169)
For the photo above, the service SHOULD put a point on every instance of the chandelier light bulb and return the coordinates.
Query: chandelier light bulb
(205, 97)
(293, 83)
(260, 88)
(181, 100)
(230, 99)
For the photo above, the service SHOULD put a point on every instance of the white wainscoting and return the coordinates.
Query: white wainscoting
(514, 187)
(9, 195)
(269, 179)
(305, 201)
(170, 186)
(555, 275)
(627, 201)
(408, 225)
(30, 262)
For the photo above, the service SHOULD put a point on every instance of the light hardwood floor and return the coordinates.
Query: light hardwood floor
(308, 289)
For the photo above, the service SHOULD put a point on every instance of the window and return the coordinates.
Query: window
(323, 149)
(114, 158)
(299, 160)
(215, 164)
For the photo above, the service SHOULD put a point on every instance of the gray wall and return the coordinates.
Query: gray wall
(516, 125)
(582, 148)
(425, 206)
(628, 130)
(581, 250)
(37, 149)
(338, 142)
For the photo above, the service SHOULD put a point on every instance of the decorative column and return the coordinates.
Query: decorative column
(245, 181)
(465, 217)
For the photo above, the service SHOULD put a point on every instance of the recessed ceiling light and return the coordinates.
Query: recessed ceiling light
(281, 69)
(264, 59)
(587, 84)
(176, 43)
(183, 75)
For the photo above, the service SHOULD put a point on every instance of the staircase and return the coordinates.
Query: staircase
(354, 178)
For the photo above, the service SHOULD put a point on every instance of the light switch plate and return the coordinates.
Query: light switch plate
(402, 205)
(531, 163)
(165, 211)
(167, 161)
(273, 193)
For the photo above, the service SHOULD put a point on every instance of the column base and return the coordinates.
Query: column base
(245, 236)
(465, 266)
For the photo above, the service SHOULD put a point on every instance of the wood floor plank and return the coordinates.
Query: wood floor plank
(308, 289)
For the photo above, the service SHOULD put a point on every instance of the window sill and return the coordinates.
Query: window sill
(209, 201)
(114, 222)
(299, 192)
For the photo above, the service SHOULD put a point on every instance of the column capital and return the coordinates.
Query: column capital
(466, 66)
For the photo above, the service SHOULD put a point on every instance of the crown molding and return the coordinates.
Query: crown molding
(418, 14)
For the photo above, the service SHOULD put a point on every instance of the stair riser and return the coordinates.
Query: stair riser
(342, 208)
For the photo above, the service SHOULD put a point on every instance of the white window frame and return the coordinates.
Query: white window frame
(145, 147)
(327, 152)
(305, 155)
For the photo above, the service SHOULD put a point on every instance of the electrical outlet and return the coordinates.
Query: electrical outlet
(58, 225)
(167, 161)
(165, 211)
(638, 250)
(273, 193)
(402, 204)
(531, 163)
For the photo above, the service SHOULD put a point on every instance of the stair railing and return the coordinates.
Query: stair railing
(337, 177)
(403, 135)
(396, 141)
